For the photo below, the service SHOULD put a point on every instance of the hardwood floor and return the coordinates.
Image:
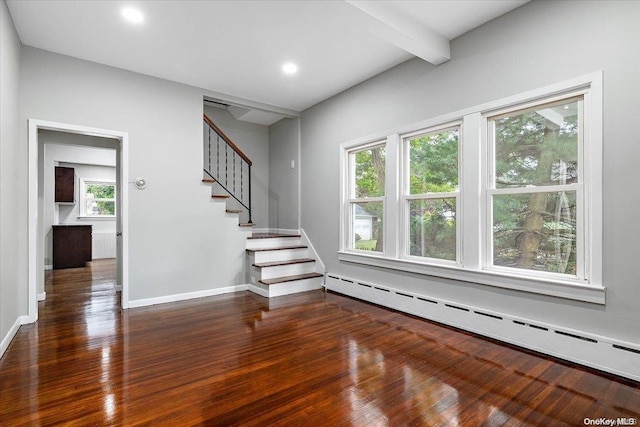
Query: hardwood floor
(311, 359)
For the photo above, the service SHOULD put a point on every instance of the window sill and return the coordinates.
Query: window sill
(96, 218)
(558, 288)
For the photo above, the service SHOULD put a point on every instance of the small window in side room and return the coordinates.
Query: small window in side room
(98, 199)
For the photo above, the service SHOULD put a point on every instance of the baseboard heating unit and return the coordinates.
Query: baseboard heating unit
(606, 354)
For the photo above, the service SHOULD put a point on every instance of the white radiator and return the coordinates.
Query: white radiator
(600, 352)
(104, 245)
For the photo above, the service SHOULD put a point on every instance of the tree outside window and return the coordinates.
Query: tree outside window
(432, 194)
(99, 199)
(536, 184)
(507, 194)
(367, 190)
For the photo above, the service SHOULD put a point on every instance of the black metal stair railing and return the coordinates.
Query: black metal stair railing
(227, 165)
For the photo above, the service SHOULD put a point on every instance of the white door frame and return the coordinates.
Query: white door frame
(123, 138)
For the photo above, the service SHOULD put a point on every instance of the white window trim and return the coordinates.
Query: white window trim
(83, 205)
(474, 148)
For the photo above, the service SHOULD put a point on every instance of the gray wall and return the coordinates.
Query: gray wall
(253, 140)
(536, 45)
(173, 227)
(283, 179)
(13, 277)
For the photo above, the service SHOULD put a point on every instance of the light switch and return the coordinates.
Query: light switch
(293, 164)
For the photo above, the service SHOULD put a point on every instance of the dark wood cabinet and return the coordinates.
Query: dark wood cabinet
(71, 246)
(65, 185)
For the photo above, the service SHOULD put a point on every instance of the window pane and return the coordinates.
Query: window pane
(102, 191)
(535, 231)
(433, 162)
(369, 173)
(366, 226)
(100, 207)
(432, 228)
(537, 147)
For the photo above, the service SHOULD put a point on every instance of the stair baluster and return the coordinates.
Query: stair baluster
(239, 196)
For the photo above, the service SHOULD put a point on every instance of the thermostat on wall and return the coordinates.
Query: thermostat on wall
(140, 183)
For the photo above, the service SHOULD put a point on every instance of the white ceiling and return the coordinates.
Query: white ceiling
(236, 49)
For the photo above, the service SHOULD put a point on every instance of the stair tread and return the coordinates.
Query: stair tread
(234, 210)
(246, 224)
(220, 196)
(284, 279)
(278, 248)
(208, 181)
(289, 262)
(271, 236)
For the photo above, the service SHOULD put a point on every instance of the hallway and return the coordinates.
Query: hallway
(309, 359)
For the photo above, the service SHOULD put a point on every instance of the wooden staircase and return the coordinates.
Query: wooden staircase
(279, 264)
(217, 194)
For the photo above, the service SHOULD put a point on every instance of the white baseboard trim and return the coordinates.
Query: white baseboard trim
(48, 267)
(42, 296)
(596, 351)
(6, 340)
(186, 296)
(259, 291)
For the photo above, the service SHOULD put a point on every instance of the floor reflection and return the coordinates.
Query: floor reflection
(312, 359)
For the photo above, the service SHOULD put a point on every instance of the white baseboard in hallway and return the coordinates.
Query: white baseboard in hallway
(186, 296)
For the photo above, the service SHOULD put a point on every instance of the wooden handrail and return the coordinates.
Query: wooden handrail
(227, 140)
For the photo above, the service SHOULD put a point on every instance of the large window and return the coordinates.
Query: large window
(97, 198)
(431, 194)
(505, 194)
(535, 187)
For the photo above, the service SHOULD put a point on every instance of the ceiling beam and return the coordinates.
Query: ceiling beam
(402, 31)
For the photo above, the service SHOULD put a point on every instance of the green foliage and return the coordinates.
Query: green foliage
(433, 163)
(536, 148)
(432, 228)
(366, 245)
(100, 199)
(370, 172)
(102, 191)
(532, 150)
(556, 251)
(433, 168)
(106, 208)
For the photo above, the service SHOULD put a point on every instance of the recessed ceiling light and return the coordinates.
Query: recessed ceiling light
(290, 68)
(132, 15)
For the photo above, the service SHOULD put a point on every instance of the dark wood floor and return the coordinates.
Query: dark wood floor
(312, 359)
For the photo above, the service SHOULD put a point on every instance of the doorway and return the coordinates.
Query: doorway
(36, 238)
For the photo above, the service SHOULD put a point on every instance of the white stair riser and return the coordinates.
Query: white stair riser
(283, 270)
(272, 242)
(280, 255)
(296, 286)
